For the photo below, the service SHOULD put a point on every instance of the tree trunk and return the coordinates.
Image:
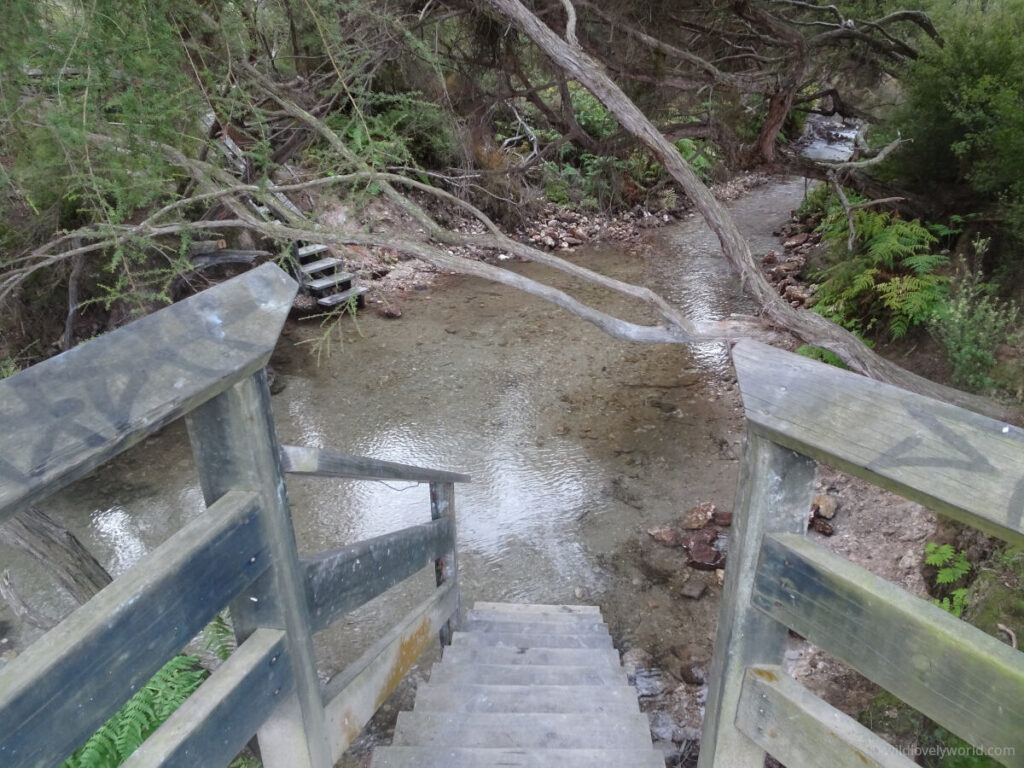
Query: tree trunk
(808, 326)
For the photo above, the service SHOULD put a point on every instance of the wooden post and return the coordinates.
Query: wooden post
(236, 447)
(774, 497)
(442, 504)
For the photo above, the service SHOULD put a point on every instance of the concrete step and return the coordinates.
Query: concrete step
(535, 627)
(475, 757)
(536, 609)
(534, 640)
(597, 657)
(522, 674)
(533, 730)
(480, 614)
(459, 697)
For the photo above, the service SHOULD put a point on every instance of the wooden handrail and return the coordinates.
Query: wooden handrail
(323, 462)
(956, 462)
(67, 415)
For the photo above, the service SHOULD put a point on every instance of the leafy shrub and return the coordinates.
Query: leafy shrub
(142, 714)
(889, 280)
(970, 327)
(952, 566)
(821, 355)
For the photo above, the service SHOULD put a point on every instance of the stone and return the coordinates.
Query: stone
(698, 516)
(769, 258)
(693, 589)
(390, 311)
(822, 526)
(721, 518)
(825, 506)
(704, 557)
(693, 672)
(666, 535)
(796, 240)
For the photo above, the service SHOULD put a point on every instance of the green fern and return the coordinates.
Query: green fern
(219, 637)
(142, 714)
(890, 279)
(951, 563)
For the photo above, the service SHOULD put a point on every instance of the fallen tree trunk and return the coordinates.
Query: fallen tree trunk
(807, 326)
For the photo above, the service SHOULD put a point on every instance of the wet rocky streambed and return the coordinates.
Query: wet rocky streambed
(577, 444)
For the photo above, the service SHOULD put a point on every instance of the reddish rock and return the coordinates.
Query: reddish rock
(822, 526)
(698, 516)
(390, 311)
(796, 240)
(667, 535)
(722, 518)
(704, 557)
(769, 258)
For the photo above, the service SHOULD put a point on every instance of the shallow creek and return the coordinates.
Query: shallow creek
(576, 443)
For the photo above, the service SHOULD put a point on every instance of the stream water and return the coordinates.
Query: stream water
(576, 443)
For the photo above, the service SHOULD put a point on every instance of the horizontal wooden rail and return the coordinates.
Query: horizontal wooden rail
(214, 724)
(801, 731)
(65, 416)
(60, 690)
(352, 697)
(322, 462)
(343, 579)
(956, 462)
(960, 677)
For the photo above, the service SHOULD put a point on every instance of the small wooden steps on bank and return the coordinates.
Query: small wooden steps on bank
(527, 686)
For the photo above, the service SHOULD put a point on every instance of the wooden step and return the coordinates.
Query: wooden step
(535, 627)
(539, 609)
(523, 674)
(329, 281)
(461, 697)
(310, 250)
(479, 614)
(334, 299)
(318, 266)
(471, 757)
(526, 730)
(533, 640)
(532, 656)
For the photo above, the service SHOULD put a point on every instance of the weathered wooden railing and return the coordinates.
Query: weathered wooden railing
(963, 465)
(204, 359)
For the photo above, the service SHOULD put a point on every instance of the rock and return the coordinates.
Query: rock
(796, 240)
(667, 535)
(703, 556)
(721, 518)
(390, 311)
(693, 589)
(662, 725)
(569, 240)
(548, 241)
(770, 258)
(720, 576)
(791, 266)
(693, 672)
(796, 293)
(825, 506)
(578, 593)
(698, 516)
(822, 526)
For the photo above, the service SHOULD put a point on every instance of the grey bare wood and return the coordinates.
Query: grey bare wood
(956, 462)
(801, 731)
(323, 462)
(470, 757)
(539, 609)
(964, 679)
(521, 674)
(454, 697)
(216, 722)
(355, 694)
(559, 619)
(525, 627)
(533, 640)
(327, 281)
(66, 684)
(526, 730)
(315, 266)
(774, 496)
(464, 654)
(62, 418)
(446, 566)
(235, 446)
(340, 580)
(333, 299)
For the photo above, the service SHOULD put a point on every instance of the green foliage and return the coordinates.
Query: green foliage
(963, 108)
(890, 279)
(954, 752)
(821, 355)
(952, 566)
(219, 637)
(142, 714)
(591, 113)
(970, 327)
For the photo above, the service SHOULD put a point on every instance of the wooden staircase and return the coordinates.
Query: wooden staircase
(530, 686)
